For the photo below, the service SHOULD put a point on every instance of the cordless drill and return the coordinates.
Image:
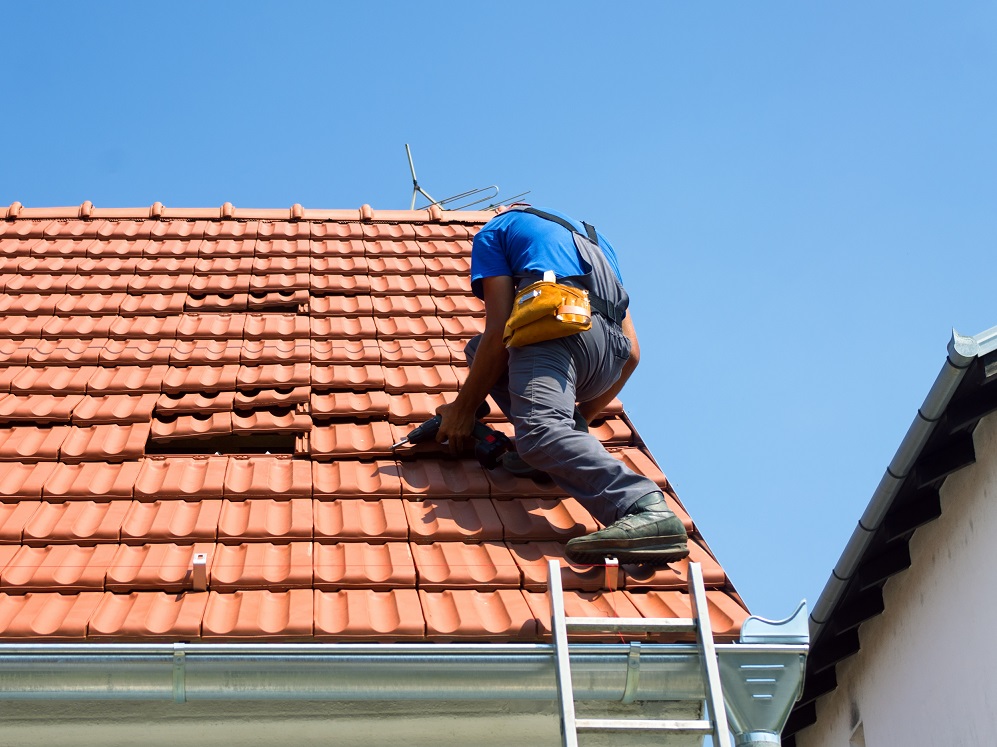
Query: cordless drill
(489, 444)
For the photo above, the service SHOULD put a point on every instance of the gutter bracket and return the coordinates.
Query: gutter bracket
(633, 673)
(179, 673)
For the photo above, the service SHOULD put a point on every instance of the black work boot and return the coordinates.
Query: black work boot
(648, 533)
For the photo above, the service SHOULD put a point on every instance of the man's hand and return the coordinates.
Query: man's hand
(456, 425)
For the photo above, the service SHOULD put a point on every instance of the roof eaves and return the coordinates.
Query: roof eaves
(852, 596)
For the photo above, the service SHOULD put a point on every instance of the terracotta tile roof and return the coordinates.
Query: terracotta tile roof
(228, 384)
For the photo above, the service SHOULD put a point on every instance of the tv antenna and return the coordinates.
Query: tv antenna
(474, 195)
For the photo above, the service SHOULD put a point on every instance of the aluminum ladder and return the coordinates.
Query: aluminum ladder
(699, 623)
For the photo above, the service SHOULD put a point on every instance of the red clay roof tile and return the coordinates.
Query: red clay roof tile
(455, 615)
(261, 477)
(416, 352)
(31, 304)
(24, 443)
(19, 480)
(49, 616)
(160, 567)
(115, 408)
(265, 519)
(459, 565)
(152, 303)
(192, 402)
(437, 478)
(75, 522)
(345, 519)
(348, 440)
(200, 378)
(271, 352)
(531, 559)
(92, 480)
(256, 565)
(526, 519)
(344, 284)
(171, 521)
(126, 380)
(184, 478)
(356, 479)
(206, 352)
(443, 520)
(365, 614)
(273, 420)
(348, 377)
(366, 405)
(38, 408)
(361, 565)
(147, 616)
(585, 604)
(107, 443)
(345, 351)
(259, 615)
(66, 352)
(438, 378)
(726, 615)
(202, 425)
(62, 568)
(284, 397)
(343, 327)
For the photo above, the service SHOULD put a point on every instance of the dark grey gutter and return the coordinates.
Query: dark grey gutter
(846, 599)
(962, 351)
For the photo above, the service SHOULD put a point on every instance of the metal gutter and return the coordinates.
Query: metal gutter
(962, 351)
(182, 672)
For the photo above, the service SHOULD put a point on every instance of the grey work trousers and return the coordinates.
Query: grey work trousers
(538, 393)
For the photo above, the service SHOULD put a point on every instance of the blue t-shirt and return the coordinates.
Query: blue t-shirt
(517, 244)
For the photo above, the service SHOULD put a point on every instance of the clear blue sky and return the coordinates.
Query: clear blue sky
(803, 195)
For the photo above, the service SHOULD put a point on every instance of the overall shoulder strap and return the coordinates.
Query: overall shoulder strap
(590, 232)
(599, 304)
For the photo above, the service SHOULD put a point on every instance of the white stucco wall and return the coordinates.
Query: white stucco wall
(927, 670)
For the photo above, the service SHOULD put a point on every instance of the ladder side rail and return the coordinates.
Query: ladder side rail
(559, 635)
(704, 632)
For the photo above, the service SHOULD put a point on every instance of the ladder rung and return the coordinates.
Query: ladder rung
(670, 725)
(631, 624)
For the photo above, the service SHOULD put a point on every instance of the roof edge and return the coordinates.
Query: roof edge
(962, 351)
(227, 211)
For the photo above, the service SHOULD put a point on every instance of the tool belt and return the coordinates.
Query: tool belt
(546, 310)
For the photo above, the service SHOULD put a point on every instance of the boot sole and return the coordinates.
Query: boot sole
(659, 551)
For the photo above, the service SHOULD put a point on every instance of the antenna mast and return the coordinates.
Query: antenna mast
(474, 195)
(416, 189)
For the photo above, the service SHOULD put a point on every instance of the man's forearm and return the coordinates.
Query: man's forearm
(490, 361)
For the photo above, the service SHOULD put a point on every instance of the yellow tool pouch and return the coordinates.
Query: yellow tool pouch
(546, 310)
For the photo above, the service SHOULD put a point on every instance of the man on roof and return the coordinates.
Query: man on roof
(551, 390)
